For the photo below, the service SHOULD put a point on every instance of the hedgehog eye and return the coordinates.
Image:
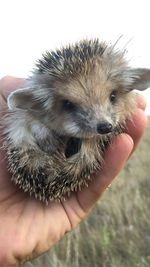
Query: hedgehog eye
(68, 106)
(113, 96)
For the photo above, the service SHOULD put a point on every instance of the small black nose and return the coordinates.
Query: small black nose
(104, 128)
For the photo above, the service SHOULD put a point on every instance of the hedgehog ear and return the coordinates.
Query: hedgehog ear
(30, 99)
(139, 79)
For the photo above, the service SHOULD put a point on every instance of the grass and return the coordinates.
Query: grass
(117, 232)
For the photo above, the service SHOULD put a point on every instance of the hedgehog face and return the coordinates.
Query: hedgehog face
(85, 121)
(97, 102)
(81, 112)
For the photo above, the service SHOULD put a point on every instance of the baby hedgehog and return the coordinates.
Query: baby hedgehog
(58, 126)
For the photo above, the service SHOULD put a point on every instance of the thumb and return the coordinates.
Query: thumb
(114, 160)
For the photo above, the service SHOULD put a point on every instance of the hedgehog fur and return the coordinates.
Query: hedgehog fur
(58, 126)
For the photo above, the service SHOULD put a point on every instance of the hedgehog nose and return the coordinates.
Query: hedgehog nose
(104, 128)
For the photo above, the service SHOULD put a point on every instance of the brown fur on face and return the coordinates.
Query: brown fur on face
(57, 127)
(90, 93)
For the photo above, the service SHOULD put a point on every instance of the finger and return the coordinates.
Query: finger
(141, 102)
(114, 159)
(9, 83)
(136, 126)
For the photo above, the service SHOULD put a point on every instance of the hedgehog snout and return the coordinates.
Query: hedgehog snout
(104, 127)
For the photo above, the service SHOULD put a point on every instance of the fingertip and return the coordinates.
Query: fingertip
(136, 126)
(10, 83)
(117, 154)
(141, 102)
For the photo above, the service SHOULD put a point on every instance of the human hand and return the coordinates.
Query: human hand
(28, 227)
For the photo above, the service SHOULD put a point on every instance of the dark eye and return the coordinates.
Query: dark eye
(68, 106)
(113, 96)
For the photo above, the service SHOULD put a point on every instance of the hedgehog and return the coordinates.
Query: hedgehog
(59, 124)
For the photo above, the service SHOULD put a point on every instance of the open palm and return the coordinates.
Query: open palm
(28, 227)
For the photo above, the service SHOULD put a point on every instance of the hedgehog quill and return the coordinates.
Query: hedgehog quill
(58, 126)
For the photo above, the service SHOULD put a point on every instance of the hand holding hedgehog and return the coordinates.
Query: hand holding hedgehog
(59, 125)
(28, 227)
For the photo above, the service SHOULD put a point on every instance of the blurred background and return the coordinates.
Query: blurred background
(117, 233)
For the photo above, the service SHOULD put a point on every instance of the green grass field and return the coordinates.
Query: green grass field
(117, 232)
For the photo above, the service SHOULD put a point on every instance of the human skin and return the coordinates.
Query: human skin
(28, 227)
